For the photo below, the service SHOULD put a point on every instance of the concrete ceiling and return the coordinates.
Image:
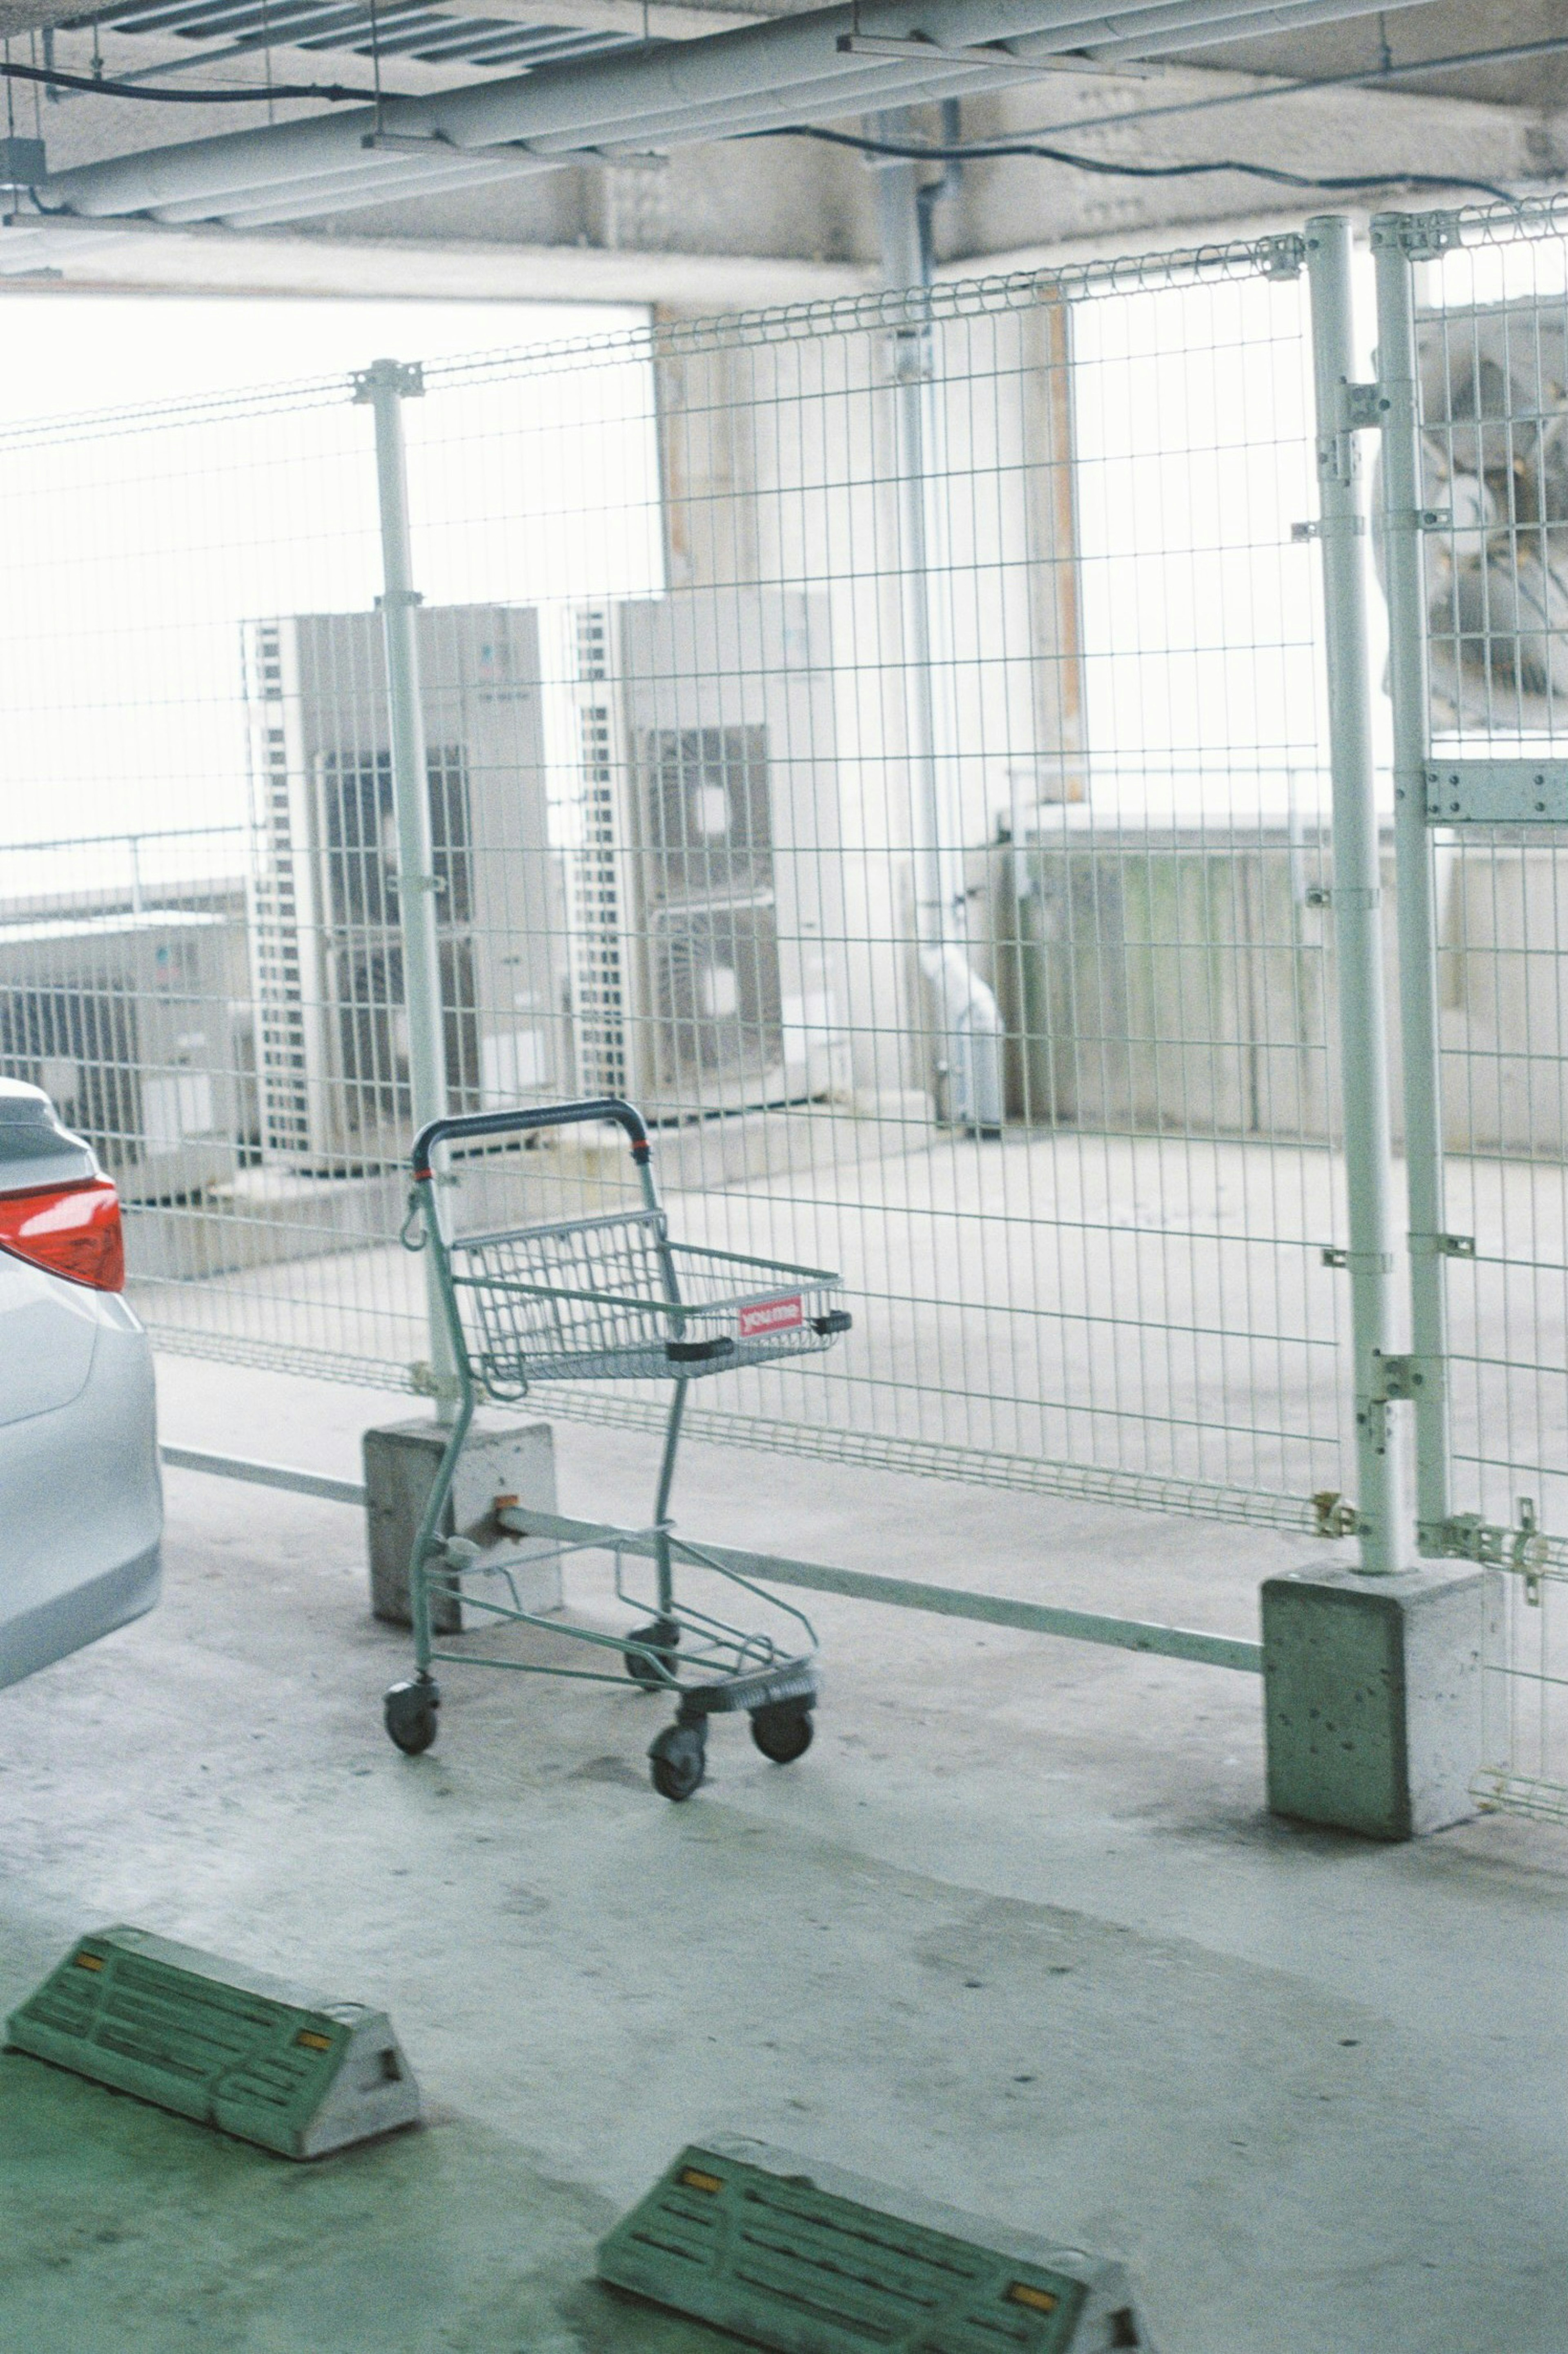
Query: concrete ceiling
(745, 222)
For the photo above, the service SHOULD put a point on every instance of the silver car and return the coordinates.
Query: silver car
(80, 1502)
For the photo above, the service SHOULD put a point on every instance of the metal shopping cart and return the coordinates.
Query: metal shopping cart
(611, 1299)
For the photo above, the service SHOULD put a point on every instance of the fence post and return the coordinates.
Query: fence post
(1372, 1678)
(1356, 894)
(1417, 912)
(384, 386)
(963, 1013)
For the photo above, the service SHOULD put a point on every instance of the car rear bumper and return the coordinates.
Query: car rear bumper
(66, 1621)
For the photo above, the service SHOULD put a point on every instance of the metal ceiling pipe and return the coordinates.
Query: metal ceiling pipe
(911, 86)
(585, 101)
(1223, 21)
(703, 84)
(271, 208)
(375, 173)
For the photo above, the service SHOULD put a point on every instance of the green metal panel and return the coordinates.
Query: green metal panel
(229, 2047)
(808, 2260)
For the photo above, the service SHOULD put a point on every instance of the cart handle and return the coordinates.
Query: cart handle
(525, 1116)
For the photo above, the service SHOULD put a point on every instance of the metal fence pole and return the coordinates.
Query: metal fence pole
(1407, 666)
(964, 1013)
(384, 386)
(1356, 892)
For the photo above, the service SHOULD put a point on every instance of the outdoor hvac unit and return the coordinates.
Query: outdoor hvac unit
(704, 895)
(332, 1061)
(124, 1020)
(1494, 410)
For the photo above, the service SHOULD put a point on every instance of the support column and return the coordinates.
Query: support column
(1398, 399)
(384, 386)
(1357, 897)
(967, 1026)
(1371, 1677)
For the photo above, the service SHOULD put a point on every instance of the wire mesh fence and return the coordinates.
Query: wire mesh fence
(1491, 293)
(882, 741)
(887, 742)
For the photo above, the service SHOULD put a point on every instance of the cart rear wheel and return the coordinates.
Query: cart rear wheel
(661, 1635)
(678, 1758)
(782, 1731)
(409, 1711)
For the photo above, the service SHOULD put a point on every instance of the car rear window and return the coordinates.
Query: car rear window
(34, 1149)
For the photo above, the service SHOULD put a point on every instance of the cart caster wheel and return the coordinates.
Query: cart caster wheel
(409, 1711)
(661, 1635)
(782, 1731)
(678, 1758)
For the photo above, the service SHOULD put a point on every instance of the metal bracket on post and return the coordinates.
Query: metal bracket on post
(397, 379)
(1281, 257)
(1329, 527)
(1418, 237)
(1525, 1549)
(1497, 792)
(1402, 1377)
(1334, 1515)
(1363, 408)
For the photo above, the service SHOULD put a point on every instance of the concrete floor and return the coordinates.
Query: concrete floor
(1017, 1935)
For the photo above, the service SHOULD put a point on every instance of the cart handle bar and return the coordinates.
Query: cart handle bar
(525, 1116)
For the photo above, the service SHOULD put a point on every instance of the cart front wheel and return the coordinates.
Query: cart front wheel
(678, 1758)
(409, 1711)
(782, 1731)
(661, 1637)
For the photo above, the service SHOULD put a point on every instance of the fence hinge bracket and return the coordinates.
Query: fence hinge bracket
(1441, 1246)
(1420, 235)
(1343, 526)
(1524, 1549)
(1334, 1515)
(1281, 257)
(1327, 894)
(406, 378)
(1358, 1262)
(1395, 1377)
(1363, 407)
(1497, 792)
(1418, 519)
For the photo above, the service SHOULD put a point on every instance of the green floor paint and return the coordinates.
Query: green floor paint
(130, 2231)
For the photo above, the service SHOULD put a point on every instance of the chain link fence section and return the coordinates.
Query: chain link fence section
(882, 739)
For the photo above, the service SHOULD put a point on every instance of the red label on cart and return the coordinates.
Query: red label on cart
(771, 1316)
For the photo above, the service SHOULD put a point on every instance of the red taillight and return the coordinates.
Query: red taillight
(73, 1230)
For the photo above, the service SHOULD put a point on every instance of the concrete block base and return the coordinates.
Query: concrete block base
(1373, 1697)
(501, 1457)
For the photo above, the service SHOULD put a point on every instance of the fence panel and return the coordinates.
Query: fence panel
(1490, 301)
(883, 740)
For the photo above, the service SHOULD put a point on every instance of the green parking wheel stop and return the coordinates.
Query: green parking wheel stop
(807, 2259)
(226, 2046)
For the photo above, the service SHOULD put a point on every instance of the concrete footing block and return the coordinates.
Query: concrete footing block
(1372, 1697)
(499, 1459)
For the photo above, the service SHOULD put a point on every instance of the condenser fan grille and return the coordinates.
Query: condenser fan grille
(715, 992)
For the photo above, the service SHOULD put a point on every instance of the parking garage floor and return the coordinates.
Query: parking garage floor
(1017, 1935)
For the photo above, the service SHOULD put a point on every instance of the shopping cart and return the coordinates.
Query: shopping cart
(611, 1298)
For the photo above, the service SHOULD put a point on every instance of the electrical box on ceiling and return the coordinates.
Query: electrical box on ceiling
(226, 2046)
(810, 2260)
